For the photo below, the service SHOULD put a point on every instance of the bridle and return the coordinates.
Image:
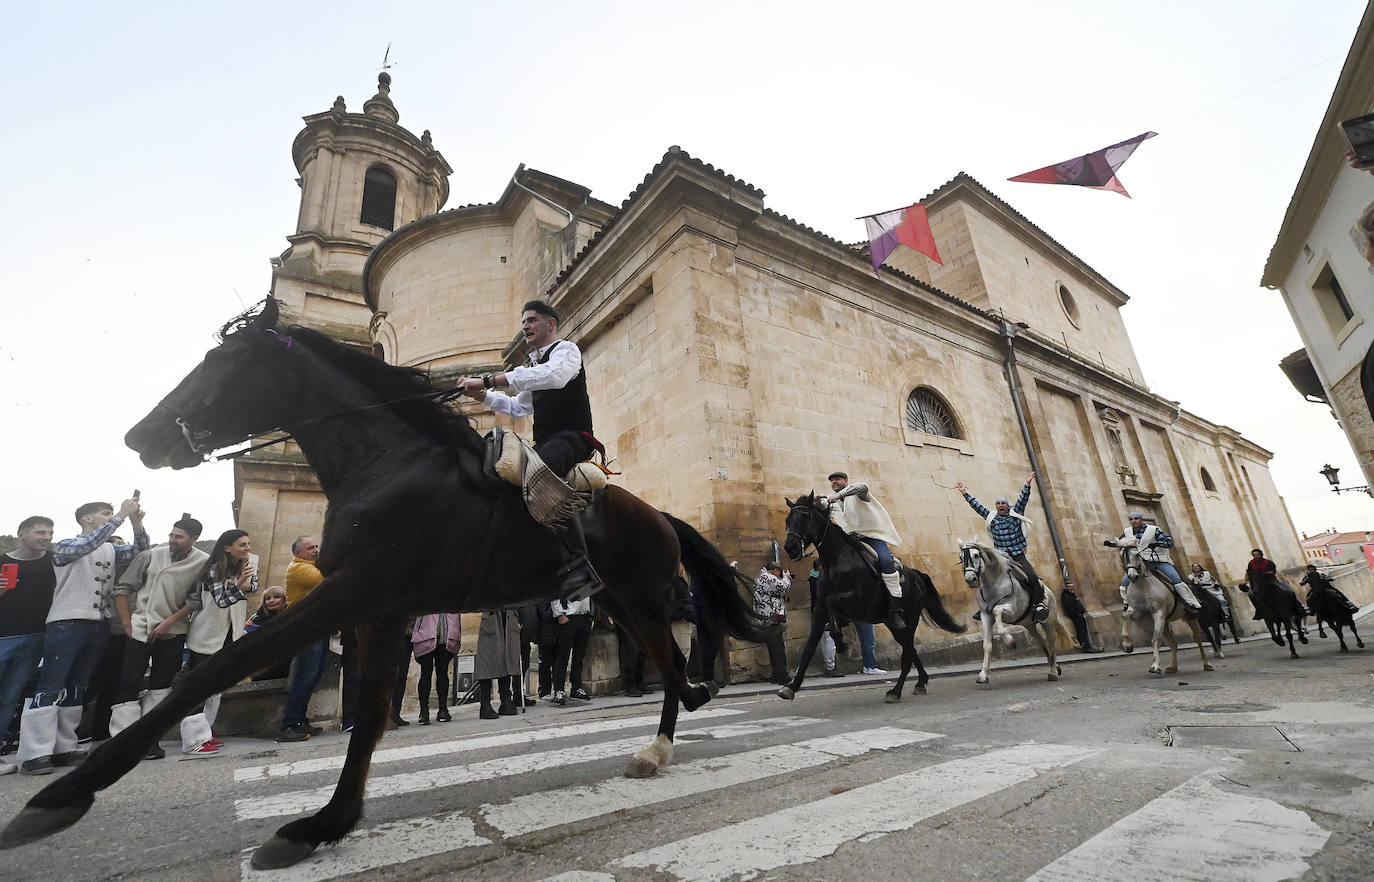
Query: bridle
(810, 513)
(1128, 563)
(972, 562)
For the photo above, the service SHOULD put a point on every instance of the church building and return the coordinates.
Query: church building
(736, 357)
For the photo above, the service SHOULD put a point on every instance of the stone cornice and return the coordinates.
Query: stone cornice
(1325, 160)
(332, 128)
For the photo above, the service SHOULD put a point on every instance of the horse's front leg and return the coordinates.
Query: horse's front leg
(1340, 634)
(1127, 646)
(1160, 627)
(906, 639)
(986, 621)
(1288, 632)
(63, 802)
(819, 616)
(1356, 634)
(379, 649)
(1197, 635)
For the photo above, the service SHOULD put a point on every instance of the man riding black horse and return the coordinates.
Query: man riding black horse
(552, 387)
(855, 510)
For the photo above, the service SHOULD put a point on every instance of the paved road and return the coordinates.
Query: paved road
(1258, 771)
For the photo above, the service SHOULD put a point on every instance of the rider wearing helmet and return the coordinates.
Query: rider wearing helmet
(856, 511)
(1008, 527)
(1151, 541)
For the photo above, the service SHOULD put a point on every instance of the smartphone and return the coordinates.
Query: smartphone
(136, 492)
(10, 573)
(1359, 133)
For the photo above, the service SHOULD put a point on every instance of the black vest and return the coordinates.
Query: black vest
(561, 410)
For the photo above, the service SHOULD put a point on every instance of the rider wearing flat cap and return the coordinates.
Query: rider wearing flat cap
(854, 510)
(1151, 542)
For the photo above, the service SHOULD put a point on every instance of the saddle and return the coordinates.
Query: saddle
(870, 556)
(550, 500)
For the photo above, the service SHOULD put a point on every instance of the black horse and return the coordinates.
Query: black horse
(850, 587)
(414, 526)
(1211, 617)
(1278, 606)
(1330, 607)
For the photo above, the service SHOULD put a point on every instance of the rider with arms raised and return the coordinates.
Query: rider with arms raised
(1007, 527)
(855, 510)
(1151, 542)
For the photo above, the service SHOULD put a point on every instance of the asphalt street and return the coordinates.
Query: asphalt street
(1260, 770)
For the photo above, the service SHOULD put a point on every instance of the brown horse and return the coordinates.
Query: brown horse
(414, 526)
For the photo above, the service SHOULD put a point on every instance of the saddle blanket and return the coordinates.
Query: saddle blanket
(550, 500)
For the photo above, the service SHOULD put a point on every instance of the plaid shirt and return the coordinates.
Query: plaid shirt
(1005, 529)
(68, 550)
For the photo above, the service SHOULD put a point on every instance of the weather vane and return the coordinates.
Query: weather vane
(386, 55)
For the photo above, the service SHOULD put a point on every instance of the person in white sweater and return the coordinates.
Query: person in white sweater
(855, 509)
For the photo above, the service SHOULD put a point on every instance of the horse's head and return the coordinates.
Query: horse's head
(221, 401)
(971, 559)
(807, 520)
(1130, 562)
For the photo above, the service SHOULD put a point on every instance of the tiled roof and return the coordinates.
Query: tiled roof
(1350, 538)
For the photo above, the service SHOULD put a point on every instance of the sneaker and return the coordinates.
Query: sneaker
(70, 758)
(206, 749)
(291, 734)
(875, 671)
(39, 765)
(834, 672)
(85, 739)
(312, 730)
(632, 692)
(560, 698)
(216, 741)
(531, 701)
(580, 695)
(155, 752)
(346, 727)
(8, 768)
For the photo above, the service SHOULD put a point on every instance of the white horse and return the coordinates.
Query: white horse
(1003, 600)
(1150, 596)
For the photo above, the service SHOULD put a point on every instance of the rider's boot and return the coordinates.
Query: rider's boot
(576, 578)
(1185, 594)
(1040, 613)
(893, 583)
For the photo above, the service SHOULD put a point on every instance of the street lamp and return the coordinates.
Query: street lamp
(1331, 474)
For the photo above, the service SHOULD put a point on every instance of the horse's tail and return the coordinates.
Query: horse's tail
(933, 606)
(713, 581)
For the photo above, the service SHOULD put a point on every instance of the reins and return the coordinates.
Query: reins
(437, 394)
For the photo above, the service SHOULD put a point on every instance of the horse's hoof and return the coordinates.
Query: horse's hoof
(712, 687)
(1321, 634)
(1154, 669)
(1171, 669)
(1278, 640)
(890, 698)
(921, 690)
(33, 824)
(1359, 643)
(641, 767)
(1127, 648)
(1053, 678)
(981, 680)
(1208, 667)
(1219, 654)
(1302, 638)
(1345, 649)
(1294, 655)
(277, 852)
(787, 692)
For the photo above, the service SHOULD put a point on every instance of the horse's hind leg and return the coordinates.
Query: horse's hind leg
(1154, 643)
(1350, 623)
(379, 647)
(906, 638)
(1197, 636)
(1045, 637)
(1336, 626)
(662, 650)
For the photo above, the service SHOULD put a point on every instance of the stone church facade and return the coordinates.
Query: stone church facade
(736, 357)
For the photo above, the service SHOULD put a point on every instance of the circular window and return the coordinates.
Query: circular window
(927, 412)
(1068, 303)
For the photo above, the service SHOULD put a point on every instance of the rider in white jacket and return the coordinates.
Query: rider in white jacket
(855, 510)
(1151, 542)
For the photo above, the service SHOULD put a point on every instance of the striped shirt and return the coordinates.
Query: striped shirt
(1005, 529)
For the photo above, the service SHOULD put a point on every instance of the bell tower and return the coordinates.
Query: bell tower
(361, 176)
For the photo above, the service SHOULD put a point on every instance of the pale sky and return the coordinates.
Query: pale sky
(150, 177)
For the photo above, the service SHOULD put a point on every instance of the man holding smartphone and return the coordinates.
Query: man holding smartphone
(76, 631)
(26, 586)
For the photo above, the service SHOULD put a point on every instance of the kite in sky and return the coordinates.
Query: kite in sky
(1096, 170)
(905, 226)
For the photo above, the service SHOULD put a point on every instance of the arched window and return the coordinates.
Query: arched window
(1207, 482)
(379, 198)
(927, 412)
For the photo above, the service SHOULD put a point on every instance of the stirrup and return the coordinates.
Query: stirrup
(586, 588)
(1040, 613)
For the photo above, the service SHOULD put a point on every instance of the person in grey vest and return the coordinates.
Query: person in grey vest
(1008, 527)
(1153, 544)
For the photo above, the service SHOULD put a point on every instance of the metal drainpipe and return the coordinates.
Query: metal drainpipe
(1008, 338)
(515, 179)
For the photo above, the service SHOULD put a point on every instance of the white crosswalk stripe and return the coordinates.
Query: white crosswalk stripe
(809, 832)
(300, 801)
(465, 745)
(1248, 839)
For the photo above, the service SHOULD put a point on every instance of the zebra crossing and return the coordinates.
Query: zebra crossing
(1249, 838)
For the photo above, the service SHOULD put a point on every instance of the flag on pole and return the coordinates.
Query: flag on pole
(1096, 170)
(905, 226)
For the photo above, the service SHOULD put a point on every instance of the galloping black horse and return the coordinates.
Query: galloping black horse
(850, 588)
(1280, 609)
(414, 526)
(1330, 607)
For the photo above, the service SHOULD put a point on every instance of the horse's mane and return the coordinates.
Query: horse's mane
(407, 389)
(998, 561)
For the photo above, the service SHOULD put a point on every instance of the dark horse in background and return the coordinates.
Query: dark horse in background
(850, 587)
(1280, 609)
(1330, 607)
(414, 526)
